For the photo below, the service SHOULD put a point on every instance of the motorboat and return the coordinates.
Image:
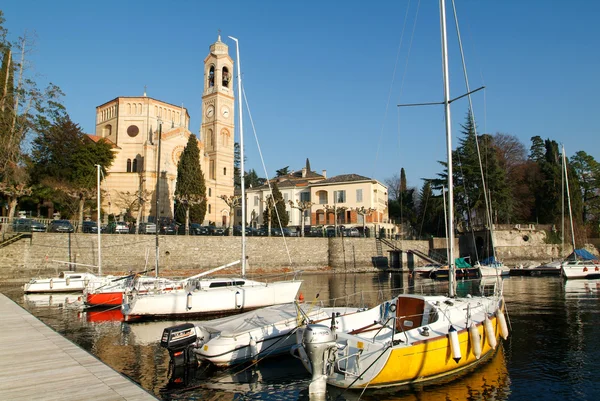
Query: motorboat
(245, 337)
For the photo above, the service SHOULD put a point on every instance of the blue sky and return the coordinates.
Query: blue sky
(323, 78)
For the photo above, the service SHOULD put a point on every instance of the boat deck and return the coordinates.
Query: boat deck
(38, 363)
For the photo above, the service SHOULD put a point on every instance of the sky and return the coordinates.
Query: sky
(323, 78)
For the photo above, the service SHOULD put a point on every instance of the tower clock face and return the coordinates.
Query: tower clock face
(225, 111)
(210, 111)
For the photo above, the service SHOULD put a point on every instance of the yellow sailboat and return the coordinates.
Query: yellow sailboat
(410, 339)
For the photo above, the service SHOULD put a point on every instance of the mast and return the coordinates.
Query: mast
(98, 224)
(242, 181)
(157, 199)
(568, 198)
(446, 102)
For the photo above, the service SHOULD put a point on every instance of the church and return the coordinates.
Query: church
(149, 135)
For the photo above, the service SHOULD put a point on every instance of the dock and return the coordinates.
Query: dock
(37, 363)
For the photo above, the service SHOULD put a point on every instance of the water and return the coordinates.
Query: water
(551, 354)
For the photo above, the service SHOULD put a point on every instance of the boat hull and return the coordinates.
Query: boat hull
(207, 301)
(114, 298)
(71, 282)
(580, 270)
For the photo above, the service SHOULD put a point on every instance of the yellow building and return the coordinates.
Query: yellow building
(133, 124)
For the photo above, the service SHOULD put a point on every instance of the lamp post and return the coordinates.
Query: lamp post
(157, 197)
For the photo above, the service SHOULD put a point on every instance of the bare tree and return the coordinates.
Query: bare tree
(302, 206)
(364, 212)
(232, 202)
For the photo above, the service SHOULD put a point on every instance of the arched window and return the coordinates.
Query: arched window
(134, 168)
(211, 76)
(128, 108)
(129, 165)
(209, 208)
(224, 170)
(226, 77)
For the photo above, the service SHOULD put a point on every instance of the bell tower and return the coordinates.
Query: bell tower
(217, 131)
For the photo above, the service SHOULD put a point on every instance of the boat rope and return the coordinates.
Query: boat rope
(262, 160)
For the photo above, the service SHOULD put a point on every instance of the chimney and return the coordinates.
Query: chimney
(303, 172)
(324, 174)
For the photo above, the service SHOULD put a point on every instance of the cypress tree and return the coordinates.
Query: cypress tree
(190, 191)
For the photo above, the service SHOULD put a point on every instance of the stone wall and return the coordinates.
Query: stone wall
(181, 256)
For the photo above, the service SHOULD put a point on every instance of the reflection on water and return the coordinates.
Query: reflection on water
(552, 352)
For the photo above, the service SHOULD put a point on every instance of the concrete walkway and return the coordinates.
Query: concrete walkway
(37, 363)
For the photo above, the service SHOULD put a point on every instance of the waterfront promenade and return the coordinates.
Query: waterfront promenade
(37, 363)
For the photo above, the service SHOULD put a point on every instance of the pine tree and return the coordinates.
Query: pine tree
(190, 191)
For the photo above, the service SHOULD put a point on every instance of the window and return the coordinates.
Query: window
(226, 77)
(285, 198)
(209, 208)
(339, 196)
(305, 196)
(322, 197)
(211, 169)
(129, 165)
(133, 130)
(256, 201)
(224, 170)
(209, 191)
(134, 168)
(211, 76)
(359, 195)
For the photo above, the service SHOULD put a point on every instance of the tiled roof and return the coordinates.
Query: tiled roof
(96, 138)
(344, 178)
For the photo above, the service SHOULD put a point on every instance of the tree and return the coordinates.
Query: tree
(252, 180)
(587, 170)
(275, 214)
(64, 159)
(232, 202)
(302, 206)
(23, 110)
(431, 213)
(282, 171)
(364, 212)
(237, 157)
(190, 191)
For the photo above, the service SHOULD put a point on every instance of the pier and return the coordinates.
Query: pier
(38, 363)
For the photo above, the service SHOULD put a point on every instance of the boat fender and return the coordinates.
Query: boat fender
(188, 303)
(68, 281)
(585, 269)
(475, 340)
(86, 281)
(503, 325)
(253, 349)
(238, 304)
(51, 283)
(454, 344)
(489, 332)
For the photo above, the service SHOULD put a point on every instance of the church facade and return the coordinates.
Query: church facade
(149, 136)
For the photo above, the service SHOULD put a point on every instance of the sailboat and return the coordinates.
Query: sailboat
(419, 339)
(107, 291)
(580, 264)
(201, 295)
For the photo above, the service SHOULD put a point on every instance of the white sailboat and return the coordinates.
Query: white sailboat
(576, 266)
(411, 339)
(202, 295)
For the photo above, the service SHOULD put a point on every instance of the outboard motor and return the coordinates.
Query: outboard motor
(179, 340)
(319, 342)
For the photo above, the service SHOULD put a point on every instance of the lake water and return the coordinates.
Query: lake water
(552, 353)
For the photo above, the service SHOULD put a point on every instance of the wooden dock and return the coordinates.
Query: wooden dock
(37, 363)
